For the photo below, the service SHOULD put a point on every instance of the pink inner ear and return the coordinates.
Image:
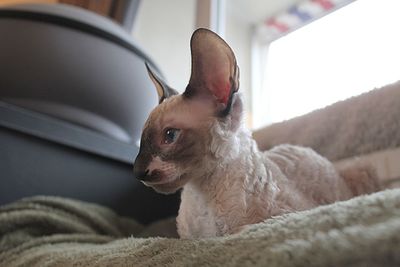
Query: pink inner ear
(213, 65)
(221, 90)
(218, 81)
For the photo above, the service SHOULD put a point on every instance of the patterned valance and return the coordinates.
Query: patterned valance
(295, 17)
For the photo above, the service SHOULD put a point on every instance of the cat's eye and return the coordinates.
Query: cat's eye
(171, 135)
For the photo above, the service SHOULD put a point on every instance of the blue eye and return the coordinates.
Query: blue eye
(171, 135)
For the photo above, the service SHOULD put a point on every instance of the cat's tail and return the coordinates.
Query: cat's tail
(360, 177)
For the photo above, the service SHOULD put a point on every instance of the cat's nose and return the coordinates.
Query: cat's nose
(140, 174)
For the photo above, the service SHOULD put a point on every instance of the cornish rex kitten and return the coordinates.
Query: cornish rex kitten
(197, 141)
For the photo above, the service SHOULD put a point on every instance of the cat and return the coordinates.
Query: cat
(197, 141)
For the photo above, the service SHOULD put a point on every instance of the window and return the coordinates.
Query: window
(350, 51)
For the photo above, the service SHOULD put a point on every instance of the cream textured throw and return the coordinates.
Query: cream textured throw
(52, 231)
(359, 125)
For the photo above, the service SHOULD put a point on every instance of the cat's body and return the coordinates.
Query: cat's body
(197, 141)
(254, 186)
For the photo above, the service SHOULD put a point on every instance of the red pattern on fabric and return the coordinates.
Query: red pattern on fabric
(279, 26)
(325, 4)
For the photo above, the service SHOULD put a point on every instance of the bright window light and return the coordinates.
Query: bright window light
(346, 53)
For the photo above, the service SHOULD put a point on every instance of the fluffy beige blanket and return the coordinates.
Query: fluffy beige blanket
(52, 231)
(353, 127)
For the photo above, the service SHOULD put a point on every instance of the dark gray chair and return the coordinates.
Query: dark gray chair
(74, 94)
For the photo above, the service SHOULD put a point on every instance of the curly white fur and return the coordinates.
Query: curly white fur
(242, 185)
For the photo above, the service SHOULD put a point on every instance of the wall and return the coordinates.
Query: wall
(164, 28)
(238, 34)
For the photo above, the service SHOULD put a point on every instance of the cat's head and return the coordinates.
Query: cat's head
(180, 133)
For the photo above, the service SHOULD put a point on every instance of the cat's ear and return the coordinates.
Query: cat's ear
(163, 90)
(215, 74)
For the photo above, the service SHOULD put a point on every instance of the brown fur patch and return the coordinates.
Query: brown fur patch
(193, 119)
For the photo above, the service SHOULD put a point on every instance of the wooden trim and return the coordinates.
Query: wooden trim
(16, 2)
